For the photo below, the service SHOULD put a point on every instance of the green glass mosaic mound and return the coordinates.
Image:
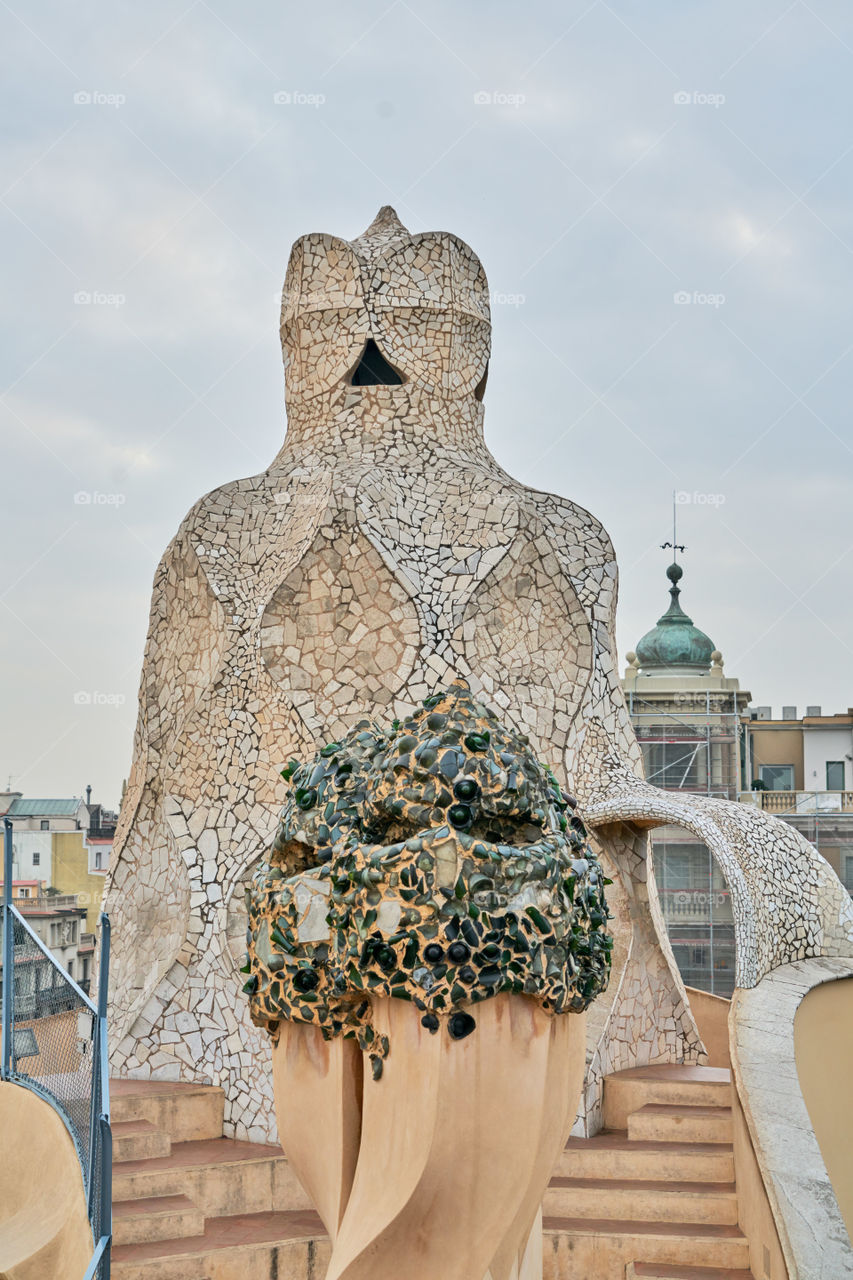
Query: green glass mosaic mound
(436, 862)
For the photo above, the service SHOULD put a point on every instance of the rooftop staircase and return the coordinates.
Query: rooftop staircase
(652, 1197)
(189, 1204)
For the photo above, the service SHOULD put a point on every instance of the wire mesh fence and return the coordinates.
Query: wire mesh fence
(54, 1043)
(53, 1034)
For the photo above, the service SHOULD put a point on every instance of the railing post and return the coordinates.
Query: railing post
(8, 950)
(106, 1191)
(106, 1135)
(96, 1108)
(104, 965)
(94, 1119)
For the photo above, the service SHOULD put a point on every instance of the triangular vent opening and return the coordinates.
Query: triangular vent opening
(373, 370)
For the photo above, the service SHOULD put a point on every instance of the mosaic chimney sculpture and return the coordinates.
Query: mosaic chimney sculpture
(429, 918)
(385, 559)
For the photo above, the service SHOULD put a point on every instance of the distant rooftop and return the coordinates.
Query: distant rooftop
(22, 808)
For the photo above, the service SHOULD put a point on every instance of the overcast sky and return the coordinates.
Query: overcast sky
(601, 158)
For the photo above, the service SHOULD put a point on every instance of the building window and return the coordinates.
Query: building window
(44, 825)
(835, 775)
(99, 858)
(71, 968)
(777, 777)
(23, 893)
(36, 858)
(63, 933)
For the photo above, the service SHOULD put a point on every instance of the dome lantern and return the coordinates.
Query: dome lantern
(674, 646)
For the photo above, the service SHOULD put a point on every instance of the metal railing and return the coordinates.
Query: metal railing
(54, 1042)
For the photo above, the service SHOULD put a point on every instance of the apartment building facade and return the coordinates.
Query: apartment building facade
(699, 734)
(801, 769)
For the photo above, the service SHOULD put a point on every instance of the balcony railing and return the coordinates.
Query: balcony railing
(805, 802)
(101, 831)
(47, 904)
(697, 905)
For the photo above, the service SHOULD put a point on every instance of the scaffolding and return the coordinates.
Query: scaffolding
(691, 742)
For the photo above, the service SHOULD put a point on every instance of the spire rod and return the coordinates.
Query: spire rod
(675, 546)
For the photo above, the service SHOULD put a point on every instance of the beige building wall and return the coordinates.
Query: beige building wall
(772, 745)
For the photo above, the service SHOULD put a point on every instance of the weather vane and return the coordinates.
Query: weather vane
(676, 546)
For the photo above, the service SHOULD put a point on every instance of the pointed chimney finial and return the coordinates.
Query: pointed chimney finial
(386, 223)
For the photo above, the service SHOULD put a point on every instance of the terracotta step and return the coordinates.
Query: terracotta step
(580, 1248)
(636, 1200)
(613, 1155)
(659, 1271)
(677, 1123)
(220, 1175)
(246, 1246)
(155, 1218)
(138, 1140)
(627, 1091)
(294, 1245)
(187, 1112)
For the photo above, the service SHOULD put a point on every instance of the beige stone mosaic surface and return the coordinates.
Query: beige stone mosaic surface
(382, 555)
